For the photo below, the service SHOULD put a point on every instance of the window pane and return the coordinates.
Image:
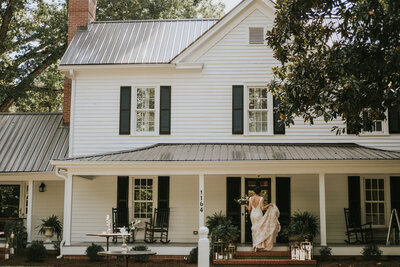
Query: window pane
(381, 219)
(137, 195)
(378, 126)
(374, 195)
(367, 183)
(381, 208)
(375, 219)
(374, 208)
(381, 195)
(368, 218)
(374, 183)
(368, 207)
(368, 195)
(381, 184)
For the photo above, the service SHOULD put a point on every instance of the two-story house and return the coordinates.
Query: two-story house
(177, 114)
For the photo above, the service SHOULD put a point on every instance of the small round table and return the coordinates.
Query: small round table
(126, 254)
(107, 236)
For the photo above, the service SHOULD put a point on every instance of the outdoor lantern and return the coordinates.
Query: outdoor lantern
(219, 255)
(42, 186)
(231, 251)
(295, 253)
(307, 247)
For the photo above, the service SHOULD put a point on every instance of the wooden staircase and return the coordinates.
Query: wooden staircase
(269, 258)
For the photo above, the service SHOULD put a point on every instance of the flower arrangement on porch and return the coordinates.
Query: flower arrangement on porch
(303, 225)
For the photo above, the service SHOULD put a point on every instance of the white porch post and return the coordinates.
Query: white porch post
(29, 213)
(322, 209)
(204, 243)
(67, 210)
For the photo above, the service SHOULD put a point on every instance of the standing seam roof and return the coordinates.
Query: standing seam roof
(134, 42)
(28, 141)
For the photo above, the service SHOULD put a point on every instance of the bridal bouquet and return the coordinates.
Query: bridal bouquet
(243, 200)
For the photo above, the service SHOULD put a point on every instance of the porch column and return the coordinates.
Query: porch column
(322, 209)
(204, 243)
(67, 210)
(29, 212)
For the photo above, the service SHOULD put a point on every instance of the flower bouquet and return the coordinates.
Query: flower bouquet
(243, 200)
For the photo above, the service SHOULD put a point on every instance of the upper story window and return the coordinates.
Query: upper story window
(256, 35)
(378, 126)
(145, 109)
(259, 110)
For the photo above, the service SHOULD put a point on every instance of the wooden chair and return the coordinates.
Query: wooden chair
(357, 231)
(158, 224)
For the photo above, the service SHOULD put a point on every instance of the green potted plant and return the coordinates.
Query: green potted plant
(303, 225)
(221, 228)
(49, 227)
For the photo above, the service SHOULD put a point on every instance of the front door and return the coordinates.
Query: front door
(9, 203)
(250, 184)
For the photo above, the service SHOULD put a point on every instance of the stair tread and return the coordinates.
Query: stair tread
(265, 261)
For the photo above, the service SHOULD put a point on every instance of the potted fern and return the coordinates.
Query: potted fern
(49, 227)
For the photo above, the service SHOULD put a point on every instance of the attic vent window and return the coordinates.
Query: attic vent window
(256, 35)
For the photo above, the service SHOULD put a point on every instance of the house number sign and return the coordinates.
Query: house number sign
(201, 202)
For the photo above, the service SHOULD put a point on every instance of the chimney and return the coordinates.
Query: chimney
(80, 13)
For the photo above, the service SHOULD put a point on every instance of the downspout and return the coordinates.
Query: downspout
(59, 174)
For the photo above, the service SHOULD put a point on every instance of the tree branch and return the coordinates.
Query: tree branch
(6, 23)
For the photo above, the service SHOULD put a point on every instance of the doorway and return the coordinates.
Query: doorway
(9, 203)
(249, 185)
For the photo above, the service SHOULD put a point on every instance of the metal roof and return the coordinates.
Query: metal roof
(29, 140)
(244, 152)
(134, 42)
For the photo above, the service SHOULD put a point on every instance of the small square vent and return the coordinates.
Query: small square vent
(256, 35)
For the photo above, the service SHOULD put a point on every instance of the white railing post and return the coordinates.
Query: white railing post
(204, 243)
(322, 209)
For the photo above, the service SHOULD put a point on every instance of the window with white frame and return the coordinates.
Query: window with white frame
(378, 126)
(145, 109)
(142, 198)
(374, 200)
(257, 110)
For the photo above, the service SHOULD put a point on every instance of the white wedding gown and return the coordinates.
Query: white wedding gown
(265, 227)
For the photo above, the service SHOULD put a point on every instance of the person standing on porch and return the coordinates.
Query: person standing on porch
(265, 227)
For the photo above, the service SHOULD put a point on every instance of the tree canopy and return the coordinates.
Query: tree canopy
(339, 59)
(33, 35)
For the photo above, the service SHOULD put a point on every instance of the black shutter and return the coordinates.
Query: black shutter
(283, 201)
(122, 200)
(279, 126)
(394, 121)
(163, 192)
(165, 109)
(354, 200)
(233, 185)
(125, 110)
(395, 193)
(237, 109)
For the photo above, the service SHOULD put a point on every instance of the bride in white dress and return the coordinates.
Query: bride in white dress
(265, 227)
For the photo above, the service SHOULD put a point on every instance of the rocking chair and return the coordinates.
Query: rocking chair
(158, 224)
(358, 232)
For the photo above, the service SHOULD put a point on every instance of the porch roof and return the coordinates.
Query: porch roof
(242, 152)
(29, 140)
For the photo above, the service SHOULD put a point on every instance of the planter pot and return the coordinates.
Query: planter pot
(294, 240)
(48, 233)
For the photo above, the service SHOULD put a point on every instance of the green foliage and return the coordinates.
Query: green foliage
(34, 39)
(221, 227)
(303, 224)
(371, 252)
(160, 9)
(54, 222)
(338, 59)
(325, 252)
(20, 235)
(193, 256)
(36, 251)
(92, 250)
(141, 258)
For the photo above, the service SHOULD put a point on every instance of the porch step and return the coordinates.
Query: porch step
(263, 255)
(268, 262)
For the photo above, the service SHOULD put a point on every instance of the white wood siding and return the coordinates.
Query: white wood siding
(45, 204)
(201, 101)
(92, 200)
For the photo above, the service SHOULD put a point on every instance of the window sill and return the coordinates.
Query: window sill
(145, 135)
(373, 135)
(257, 135)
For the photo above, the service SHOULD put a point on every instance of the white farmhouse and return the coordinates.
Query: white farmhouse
(176, 114)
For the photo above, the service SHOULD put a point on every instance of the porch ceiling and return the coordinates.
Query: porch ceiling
(201, 152)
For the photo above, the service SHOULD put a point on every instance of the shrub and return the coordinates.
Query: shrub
(325, 252)
(36, 251)
(193, 256)
(221, 227)
(372, 252)
(92, 250)
(20, 235)
(141, 258)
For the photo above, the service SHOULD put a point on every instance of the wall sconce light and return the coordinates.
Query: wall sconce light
(42, 186)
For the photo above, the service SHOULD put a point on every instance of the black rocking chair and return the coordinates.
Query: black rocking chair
(158, 224)
(358, 232)
(120, 219)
